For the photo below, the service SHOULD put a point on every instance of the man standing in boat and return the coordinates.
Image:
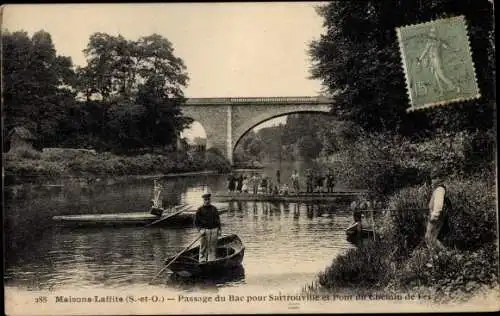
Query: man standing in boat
(207, 221)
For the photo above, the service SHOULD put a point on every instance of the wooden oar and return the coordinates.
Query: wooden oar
(184, 208)
(176, 257)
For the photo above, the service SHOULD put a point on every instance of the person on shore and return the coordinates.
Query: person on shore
(239, 183)
(263, 184)
(330, 181)
(207, 221)
(244, 186)
(320, 180)
(231, 183)
(278, 177)
(439, 210)
(309, 181)
(285, 190)
(255, 184)
(295, 182)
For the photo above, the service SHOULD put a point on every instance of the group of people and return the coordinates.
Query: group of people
(255, 184)
(319, 182)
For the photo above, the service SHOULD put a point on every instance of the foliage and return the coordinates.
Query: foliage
(471, 223)
(140, 84)
(35, 84)
(448, 275)
(358, 61)
(117, 66)
(22, 165)
(216, 161)
(362, 267)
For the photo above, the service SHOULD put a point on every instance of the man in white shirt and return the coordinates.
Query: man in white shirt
(438, 207)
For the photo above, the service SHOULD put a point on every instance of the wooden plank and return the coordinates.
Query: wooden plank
(184, 208)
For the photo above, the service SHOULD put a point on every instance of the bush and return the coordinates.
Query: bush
(448, 275)
(367, 266)
(216, 161)
(471, 223)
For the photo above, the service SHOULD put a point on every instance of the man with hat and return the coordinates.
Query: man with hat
(207, 221)
(439, 208)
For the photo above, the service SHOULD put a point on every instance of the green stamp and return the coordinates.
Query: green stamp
(437, 62)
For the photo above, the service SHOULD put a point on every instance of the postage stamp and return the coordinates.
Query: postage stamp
(437, 62)
(279, 180)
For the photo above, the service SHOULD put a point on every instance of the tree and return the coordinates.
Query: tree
(358, 60)
(37, 84)
(142, 76)
(117, 66)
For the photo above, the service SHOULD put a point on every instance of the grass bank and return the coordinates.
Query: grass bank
(34, 166)
(399, 262)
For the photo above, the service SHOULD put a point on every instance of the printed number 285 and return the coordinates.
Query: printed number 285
(41, 299)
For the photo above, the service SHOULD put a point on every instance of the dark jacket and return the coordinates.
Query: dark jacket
(207, 216)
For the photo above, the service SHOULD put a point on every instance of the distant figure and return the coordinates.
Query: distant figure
(439, 209)
(207, 221)
(156, 208)
(357, 226)
(263, 184)
(320, 180)
(309, 181)
(275, 191)
(231, 183)
(295, 182)
(244, 186)
(284, 190)
(255, 184)
(330, 181)
(278, 177)
(239, 183)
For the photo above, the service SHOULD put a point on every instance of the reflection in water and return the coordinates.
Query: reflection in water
(232, 277)
(287, 244)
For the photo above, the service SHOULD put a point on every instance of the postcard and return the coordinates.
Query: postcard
(250, 158)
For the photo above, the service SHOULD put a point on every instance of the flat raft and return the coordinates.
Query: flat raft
(185, 218)
(301, 197)
(230, 252)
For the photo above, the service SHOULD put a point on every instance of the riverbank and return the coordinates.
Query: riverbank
(51, 168)
(397, 261)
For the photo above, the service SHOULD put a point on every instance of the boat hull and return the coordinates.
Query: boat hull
(354, 236)
(230, 253)
(185, 219)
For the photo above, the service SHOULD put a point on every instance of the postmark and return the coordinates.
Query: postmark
(437, 62)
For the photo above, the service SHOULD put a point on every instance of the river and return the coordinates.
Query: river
(287, 244)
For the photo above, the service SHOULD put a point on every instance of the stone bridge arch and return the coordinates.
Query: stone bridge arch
(226, 120)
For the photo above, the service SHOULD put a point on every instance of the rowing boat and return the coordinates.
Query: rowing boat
(300, 197)
(185, 218)
(230, 252)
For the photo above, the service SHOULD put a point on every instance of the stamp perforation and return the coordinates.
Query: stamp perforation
(468, 51)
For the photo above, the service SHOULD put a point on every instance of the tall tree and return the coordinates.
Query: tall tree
(358, 60)
(36, 84)
(143, 76)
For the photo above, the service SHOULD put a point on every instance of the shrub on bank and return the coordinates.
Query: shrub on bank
(50, 163)
(400, 261)
(368, 266)
(216, 161)
(448, 275)
(471, 223)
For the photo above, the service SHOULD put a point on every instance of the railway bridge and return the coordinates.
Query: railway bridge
(226, 120)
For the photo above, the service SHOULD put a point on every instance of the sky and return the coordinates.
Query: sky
(230, 49)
